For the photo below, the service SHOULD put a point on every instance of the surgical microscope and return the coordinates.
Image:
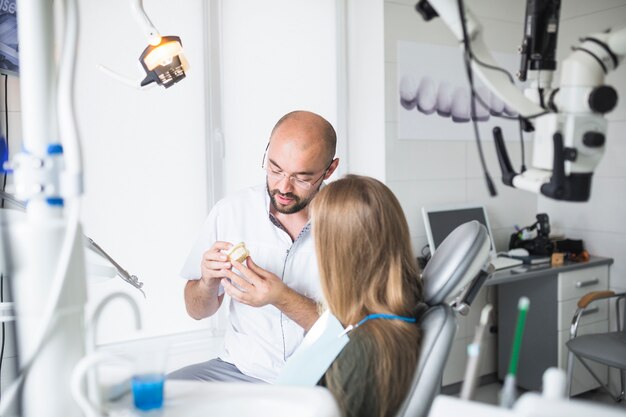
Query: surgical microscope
(568, 121)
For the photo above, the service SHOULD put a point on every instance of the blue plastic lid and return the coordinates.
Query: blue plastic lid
(4, 153)
(55, 201)
(55, 148)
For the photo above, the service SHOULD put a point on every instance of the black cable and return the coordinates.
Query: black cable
(505, 72)
(521, 140)
(468, 68)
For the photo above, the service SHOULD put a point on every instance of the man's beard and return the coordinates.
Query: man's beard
(297, 204)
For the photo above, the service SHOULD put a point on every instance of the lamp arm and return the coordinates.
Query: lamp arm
(148, 28)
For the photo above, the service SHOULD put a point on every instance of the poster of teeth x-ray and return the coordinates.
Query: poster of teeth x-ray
(433, 95)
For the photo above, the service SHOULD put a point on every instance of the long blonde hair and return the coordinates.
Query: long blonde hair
(367, 266)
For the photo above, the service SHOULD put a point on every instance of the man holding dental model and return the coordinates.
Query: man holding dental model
(276, 290)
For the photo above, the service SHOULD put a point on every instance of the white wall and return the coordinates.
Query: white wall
(145, 160)
(365, 105)
(277, 56)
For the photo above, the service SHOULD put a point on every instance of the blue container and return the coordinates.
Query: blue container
(148, 391)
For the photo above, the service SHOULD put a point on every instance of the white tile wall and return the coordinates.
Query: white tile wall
(414, 194)
(612, 165)
(421, 159)
(573, 9)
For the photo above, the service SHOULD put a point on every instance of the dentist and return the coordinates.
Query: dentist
(275, 292)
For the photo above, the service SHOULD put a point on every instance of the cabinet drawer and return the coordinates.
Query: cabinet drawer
(575, 284)
(597, 311)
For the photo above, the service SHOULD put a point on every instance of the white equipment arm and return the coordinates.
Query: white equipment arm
(569, 121)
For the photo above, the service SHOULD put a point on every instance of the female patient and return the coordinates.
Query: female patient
(369, 276)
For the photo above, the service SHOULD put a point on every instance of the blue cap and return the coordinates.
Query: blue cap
(55, 148)
(55, 201)
(4, 152)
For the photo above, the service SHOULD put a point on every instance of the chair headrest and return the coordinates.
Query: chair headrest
(456, 262)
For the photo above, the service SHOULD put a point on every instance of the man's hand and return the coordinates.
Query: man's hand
(259, 288)
(213, 263)
(201, 295)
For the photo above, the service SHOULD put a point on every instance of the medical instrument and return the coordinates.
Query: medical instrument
(121, 272)
(568, 121)
(507, 394)
(473, 352)
(90, 244)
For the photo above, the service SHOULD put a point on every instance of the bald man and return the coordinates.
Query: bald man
(275, 292)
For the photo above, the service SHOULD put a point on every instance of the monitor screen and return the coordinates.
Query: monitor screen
(440, 222)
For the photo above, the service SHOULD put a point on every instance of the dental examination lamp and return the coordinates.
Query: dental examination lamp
(163, 59)
(568, 121)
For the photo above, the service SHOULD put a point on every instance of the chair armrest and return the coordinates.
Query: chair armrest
(590, 297)
(583, 303)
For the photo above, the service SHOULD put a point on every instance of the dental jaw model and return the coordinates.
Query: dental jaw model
(238, 253)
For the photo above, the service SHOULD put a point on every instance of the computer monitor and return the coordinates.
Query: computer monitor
(440, 221)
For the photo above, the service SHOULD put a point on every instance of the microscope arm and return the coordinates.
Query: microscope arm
(496, 81)
(569, 122)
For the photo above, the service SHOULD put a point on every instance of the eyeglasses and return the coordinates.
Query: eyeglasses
(279, 175)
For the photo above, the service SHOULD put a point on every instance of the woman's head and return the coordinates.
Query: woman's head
(364, 250)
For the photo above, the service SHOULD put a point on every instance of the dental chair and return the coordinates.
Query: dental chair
(452, 278)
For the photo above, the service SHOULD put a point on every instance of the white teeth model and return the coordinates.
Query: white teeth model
(444, 99)
(448, 100)
(239, 252)
(460, 105)
(482, 101)
(427, 96)
(408, 92)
